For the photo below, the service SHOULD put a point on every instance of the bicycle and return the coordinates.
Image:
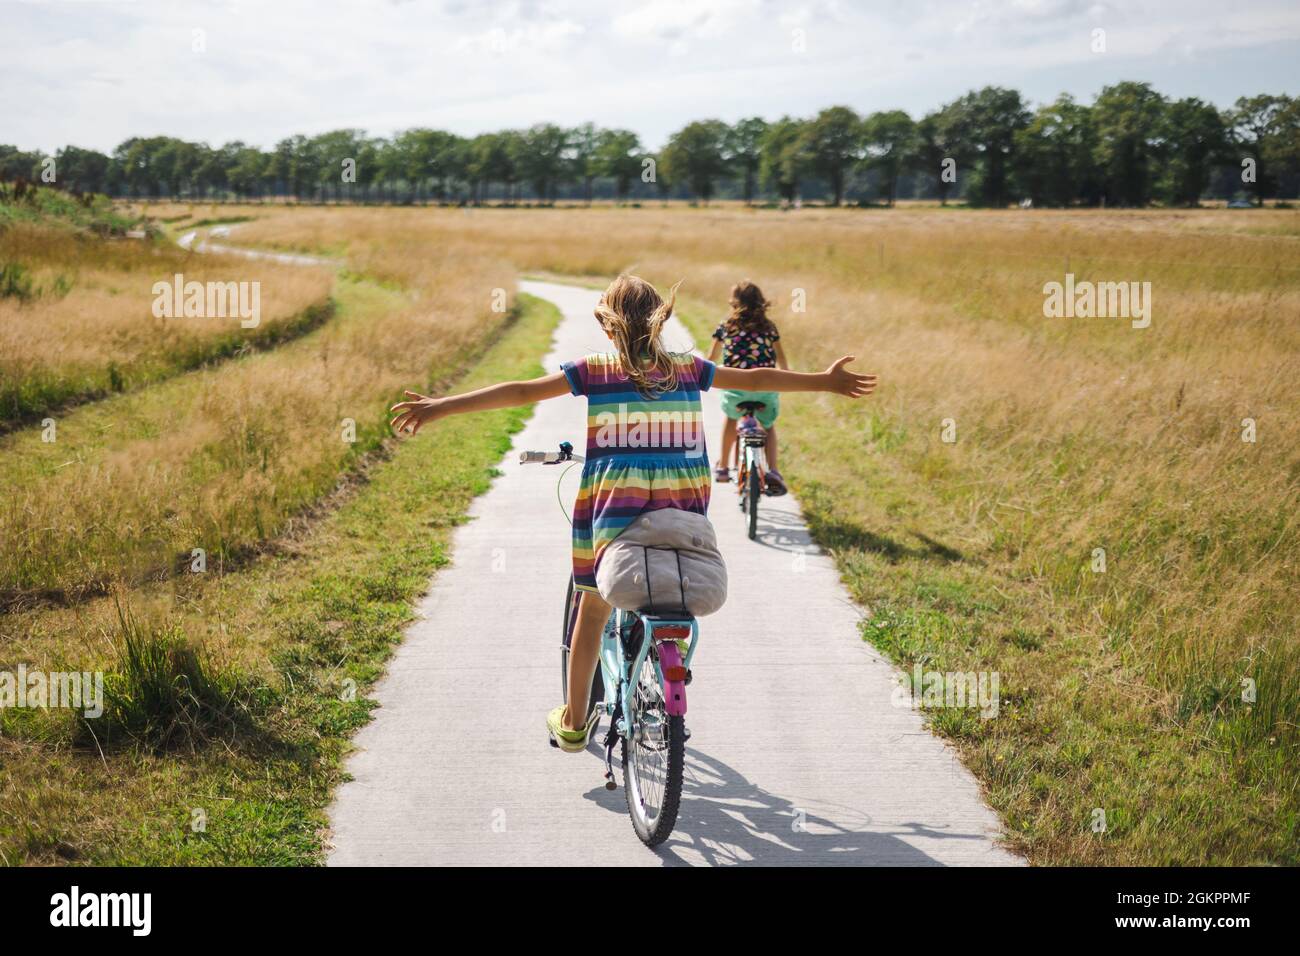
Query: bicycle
(640, 686)
(752, 476)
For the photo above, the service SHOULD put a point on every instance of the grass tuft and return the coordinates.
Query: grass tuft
(165, 694)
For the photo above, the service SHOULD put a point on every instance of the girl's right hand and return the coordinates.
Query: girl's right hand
(843, 382)
(412, 414)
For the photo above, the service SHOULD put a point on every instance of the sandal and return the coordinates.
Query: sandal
(721, 475)
(570, 741)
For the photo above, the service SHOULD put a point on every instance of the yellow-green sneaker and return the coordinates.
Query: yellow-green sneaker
(570, 741)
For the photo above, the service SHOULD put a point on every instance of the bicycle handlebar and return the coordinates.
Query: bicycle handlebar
(550, 457)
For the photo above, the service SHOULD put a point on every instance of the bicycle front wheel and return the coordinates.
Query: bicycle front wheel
(654, 756)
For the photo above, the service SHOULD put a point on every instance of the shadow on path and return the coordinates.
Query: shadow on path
(842, 535)
(728, 820)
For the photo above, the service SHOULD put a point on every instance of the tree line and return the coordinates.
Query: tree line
(1131, 147)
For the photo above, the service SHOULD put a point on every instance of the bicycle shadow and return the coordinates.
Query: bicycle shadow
(782, 531)
(788, 532)
(728, 820)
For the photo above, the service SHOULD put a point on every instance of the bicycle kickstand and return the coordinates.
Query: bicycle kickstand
(610, 738)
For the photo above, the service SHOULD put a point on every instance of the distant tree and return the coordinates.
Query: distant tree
(1055, 155)
(1129, 147)
(1283, 148)
(540, 158)
(212, 177)
(742, 147)
(583, 143)
(695, 156)
(833, 140)
(936, 143)
(332, 153)
(417, 157)
(783, 157)
(663, 185)
(81, 170)
(490, 160)
(1255, 123)
(19, 164)
(143, 172)
(399, 168)
(447, 158)
(618, 156)
(174, 164)
(247, 169)
(1129, 120)
(509, 173)
(985, 123)
(890, 141)
(368, 170)
(1195, 138)
(289, 166)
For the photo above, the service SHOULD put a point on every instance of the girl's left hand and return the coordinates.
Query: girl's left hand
(412, 414)
(843, 382)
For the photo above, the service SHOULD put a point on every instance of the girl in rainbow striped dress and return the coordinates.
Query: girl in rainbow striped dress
(645, 445)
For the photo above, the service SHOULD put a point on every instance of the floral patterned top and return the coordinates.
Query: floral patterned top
(747, 348)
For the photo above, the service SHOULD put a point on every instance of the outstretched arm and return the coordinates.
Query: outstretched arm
(421, 409)
(835, 379)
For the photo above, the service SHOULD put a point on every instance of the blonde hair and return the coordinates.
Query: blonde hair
(633, 314)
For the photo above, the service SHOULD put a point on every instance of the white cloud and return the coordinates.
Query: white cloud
(681, 19)
(96, 73)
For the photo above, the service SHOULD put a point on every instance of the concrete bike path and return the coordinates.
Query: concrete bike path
(798, 757)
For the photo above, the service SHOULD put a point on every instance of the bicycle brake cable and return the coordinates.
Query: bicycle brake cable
(559, 499)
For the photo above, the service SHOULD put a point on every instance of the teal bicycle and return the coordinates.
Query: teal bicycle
(752, 477)
(640, 688)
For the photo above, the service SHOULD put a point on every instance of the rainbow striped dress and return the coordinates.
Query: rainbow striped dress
(643, 453)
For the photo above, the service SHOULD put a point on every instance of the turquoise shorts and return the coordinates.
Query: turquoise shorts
(732, 398)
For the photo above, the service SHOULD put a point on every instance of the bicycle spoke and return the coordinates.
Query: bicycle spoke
(649, 744)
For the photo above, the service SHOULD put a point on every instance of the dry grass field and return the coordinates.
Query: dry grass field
(222, 458)
(79, 324)
(1125, 689)
(1164, 689)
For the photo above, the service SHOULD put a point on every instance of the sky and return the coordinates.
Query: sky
(94, 72)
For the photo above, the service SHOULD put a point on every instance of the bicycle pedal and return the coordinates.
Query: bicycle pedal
(686, 734)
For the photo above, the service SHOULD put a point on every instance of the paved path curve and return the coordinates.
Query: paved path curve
(190, 241)
(797, 756)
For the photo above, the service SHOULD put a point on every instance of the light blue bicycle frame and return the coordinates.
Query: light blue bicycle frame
(620, 675)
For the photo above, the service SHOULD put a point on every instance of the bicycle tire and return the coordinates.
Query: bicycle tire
(597, 693)
(653, 831)
(754, 493)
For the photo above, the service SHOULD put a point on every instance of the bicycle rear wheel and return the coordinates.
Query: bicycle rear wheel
(597, 693)
(654, 757)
